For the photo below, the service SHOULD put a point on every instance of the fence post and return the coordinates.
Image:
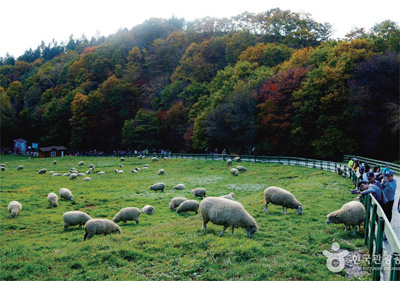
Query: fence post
(367, 205)
(372, 230)
(377, 257)
(394, 266)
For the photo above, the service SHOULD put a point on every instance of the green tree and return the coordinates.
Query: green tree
(78, 121)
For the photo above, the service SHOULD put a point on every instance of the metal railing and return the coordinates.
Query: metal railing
(376, 225)
(394, 167)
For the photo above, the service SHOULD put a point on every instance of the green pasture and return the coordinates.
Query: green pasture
(166, 245)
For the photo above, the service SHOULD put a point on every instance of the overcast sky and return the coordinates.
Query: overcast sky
(25, 23)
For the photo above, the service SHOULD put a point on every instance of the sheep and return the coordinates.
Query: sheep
(3, 168)
(234, 172)
(80, 163)
(230, 196)
(56, 174)
(237, 159)
(81, 174)
(341, 171)
(100, 226)
(20, 167)
(87, 179)
(179, 186)
(160, 172)
(157, 186)
(91, 166)
(148, 209)
(175, 202)
(281, 197)
(54, 162)
(73, 170)
(42, 171)
(72, 218)
(3, 165)
(101, 173)
(140, 157)
(73, 176)
(241, 169)
(199, 192)
(66, 194)
(187, 206)
(137, 169)
(154, 159)
(121, 165)
(133, 171)
(127, 214)
(52, 198)
(229, 162)
(146, 165)
(14, 208)
(165, 158)
(351, 214)
(122, 159)
(66, 174)
(118, 171)
(221, 211)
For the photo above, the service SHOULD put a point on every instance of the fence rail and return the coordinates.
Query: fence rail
(394, 167)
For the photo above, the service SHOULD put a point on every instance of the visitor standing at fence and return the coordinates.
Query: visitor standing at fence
(387, 168)
(374, 189)
(389, 190)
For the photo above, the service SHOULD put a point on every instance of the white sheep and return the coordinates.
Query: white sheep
(179, 186)
(56, 175)
(54, 162)
(146, 165)
(87, 179)
(157, 186)
(237, 159)
(161, 172)
(351, 214)
(73, 176)
(165, 158)
(100, 226)
(81, 174)
(234, 172)
(341, 171)
(127, 214)
(229, 161)
(101, 173)
(20, 167)
(80, 163)
(42, 171)
(148, 209)
(221, 211)
(14, 208)
(281, 197)
(230, 196)
(133, 171)
(66, 174)
(241, 169)
(187, 206)
(154, 159)
(52, 198)
(175, 202)
(122, 159)
(66, 194)
(137, 169)
(72, 218)
(92, 166)
(199, 192)
(140, 157)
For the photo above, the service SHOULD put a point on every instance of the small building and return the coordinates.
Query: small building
(52, 151)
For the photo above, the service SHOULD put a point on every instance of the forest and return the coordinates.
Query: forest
(271, 83)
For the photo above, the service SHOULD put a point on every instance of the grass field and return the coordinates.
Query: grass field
(167, 245)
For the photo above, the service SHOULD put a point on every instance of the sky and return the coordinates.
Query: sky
(25, 23)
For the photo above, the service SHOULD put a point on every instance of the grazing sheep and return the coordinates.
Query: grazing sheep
(154, 159)
(66, 194)
(221, 211)
(54, 162)
(179, 186)
(237, 159)
(80, 163)
(161, 172)
(81, 174)
(230, 196)
(101, 173)
(281, 197)
(73, 176)
(100, 226)
(341, 171)
(133, 171)
(118, 171)
(52, 198)
(3, 168)
(56, 174)
(165, 158)
(229, 161)
(127, 214)
(20, 167)
(122, 159)
(137, 169)
(91, 166)
(146, 165)
(199, 192)
(234, 172)
(241, 169)
(157, 186)
(42, 171)
(66, 174)
(3, 165)
(140, 157)
(14, 208)
(73, 170)
(87, 179)
(148, 209)
(175, 202)
(187, 206)
(72, 218)
(351, 214)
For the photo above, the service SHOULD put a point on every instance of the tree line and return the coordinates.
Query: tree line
(271, 83)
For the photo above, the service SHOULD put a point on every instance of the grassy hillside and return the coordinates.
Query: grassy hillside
(166, 245)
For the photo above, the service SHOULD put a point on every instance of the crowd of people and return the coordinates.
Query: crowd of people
(378, 182)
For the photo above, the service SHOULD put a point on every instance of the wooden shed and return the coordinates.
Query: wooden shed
(52, 151)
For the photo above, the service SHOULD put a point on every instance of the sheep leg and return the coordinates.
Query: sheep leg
(204, 227)
(137, 222)
(266, 207)
(283, 210)
(222, 233)
(232, 230)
